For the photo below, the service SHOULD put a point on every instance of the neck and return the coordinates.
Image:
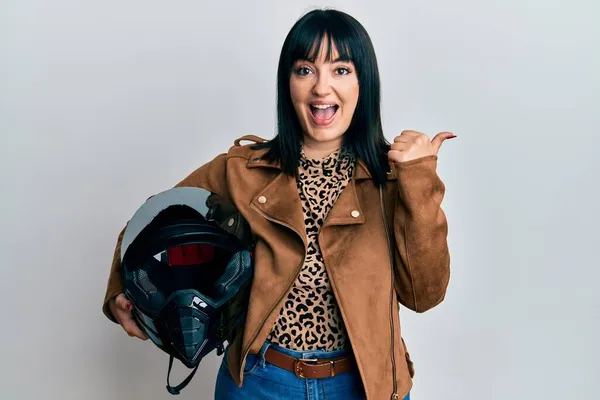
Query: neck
(319, 150)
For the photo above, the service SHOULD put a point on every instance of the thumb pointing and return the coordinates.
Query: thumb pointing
(439, 139)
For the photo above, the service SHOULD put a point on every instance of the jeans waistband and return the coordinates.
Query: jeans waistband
(302, 354)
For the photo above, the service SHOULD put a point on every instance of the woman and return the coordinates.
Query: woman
(346, 225)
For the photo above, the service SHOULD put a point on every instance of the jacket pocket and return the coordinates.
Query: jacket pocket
(252, 364)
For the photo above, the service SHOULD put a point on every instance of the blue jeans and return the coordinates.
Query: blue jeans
(267, 381)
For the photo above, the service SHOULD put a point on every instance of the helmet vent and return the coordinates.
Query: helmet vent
(140, 278)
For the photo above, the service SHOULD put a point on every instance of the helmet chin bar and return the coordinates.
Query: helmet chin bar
(188, 327)
(189, 323)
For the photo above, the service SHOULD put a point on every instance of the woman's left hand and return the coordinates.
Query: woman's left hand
(411, 145)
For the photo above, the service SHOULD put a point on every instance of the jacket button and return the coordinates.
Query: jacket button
(355, 214)
(262, 199)
(230, 222)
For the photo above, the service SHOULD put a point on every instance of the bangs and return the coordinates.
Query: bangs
(308, 47)
(330, 31)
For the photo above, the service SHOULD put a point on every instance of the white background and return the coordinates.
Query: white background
(103, 103)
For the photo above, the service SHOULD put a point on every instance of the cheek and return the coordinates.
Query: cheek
(297, 96)
(348, 90)
(351, 96)
(296, 91)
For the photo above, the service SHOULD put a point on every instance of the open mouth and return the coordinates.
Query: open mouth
(323, 114)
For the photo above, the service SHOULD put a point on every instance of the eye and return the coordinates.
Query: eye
(302, 71)
(342, 71)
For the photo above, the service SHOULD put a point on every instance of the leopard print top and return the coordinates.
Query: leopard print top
(310, 318)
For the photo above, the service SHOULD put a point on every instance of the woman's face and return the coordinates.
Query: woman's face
(324, 95)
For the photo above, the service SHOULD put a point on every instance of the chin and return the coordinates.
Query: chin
(324, 135)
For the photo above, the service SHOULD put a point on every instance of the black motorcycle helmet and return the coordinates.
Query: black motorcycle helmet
(187, 278)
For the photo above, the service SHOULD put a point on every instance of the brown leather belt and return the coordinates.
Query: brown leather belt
(310, 367)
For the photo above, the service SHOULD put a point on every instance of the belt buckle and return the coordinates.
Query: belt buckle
(298, 370)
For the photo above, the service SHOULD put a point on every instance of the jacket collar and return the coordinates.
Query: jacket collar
(279, 200)
(360, 172)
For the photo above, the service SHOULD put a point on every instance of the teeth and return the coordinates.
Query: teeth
(322, 106)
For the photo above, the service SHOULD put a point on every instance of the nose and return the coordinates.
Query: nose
(322, 87)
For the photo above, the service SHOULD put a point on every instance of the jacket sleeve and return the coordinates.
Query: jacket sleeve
(422, 259)
(210, 176)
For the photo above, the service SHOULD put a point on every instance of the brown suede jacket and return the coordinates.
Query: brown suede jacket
(355, 249)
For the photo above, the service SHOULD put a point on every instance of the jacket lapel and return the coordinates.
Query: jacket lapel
(279, 200)
(347, 209)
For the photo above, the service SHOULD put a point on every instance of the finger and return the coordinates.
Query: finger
(130, 326)
(438, 139)
(403, 139)
(133, 330)
(395, 156)
(125, 318)
(399, 146)
(123, 303)
(411, 133)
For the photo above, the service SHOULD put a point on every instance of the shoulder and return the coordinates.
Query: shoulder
(244, 151)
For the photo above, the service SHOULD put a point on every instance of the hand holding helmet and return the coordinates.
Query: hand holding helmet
(121, 309)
